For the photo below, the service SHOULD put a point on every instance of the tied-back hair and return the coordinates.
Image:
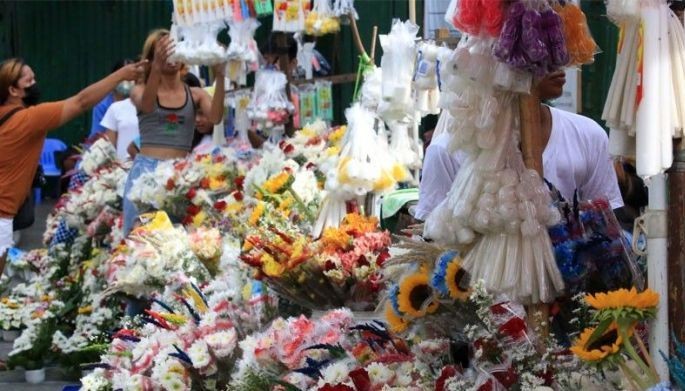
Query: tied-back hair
(10, 73)
(149, 48)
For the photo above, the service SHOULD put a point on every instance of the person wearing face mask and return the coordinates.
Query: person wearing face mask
(24, 125)
(121, 120)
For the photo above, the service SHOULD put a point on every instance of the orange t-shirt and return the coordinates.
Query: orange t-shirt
(21, 143)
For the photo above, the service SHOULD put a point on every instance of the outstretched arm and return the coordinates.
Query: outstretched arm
(91, 95)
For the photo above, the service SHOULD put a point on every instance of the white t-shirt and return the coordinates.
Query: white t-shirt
(575, 158)
(121, 117)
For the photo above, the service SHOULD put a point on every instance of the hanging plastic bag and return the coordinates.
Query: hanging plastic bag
(243, 49)
(321, 20)
(397, 64)
(270, 107)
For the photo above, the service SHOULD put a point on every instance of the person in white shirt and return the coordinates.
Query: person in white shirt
(121, 122)
(575, 158)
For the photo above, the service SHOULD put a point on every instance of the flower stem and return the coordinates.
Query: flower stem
(632, 377)
(630, 349)
(645, 353)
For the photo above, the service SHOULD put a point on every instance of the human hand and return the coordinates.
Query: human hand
(219, 70)
(133, 72)
(164, 48)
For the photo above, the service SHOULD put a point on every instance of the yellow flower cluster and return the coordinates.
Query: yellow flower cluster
(623, 298)
(277, 183)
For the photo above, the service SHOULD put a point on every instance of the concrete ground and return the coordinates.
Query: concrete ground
(30, 239)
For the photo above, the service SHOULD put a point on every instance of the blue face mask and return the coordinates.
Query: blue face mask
(124, 88)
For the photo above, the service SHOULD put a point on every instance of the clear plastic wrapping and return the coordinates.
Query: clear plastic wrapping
(270, 107)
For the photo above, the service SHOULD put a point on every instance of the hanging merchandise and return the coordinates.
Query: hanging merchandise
(289, 15)
(239, 101)
(402, 147)
(370, 95)
(344, 8)
(195, 26)
(361, 168)
(307, 104)
(426, 78)
(398, 64)
(532, 39)
(645, 107)
(270, 107)
(263, 7)
(497, 209)
(242, 52)
(321, 20)
(324, 100)
(305, 56)
(579, 42)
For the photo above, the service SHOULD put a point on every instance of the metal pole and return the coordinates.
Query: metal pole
(657, 270)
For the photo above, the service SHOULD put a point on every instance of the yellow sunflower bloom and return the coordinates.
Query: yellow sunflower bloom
(416, 296)
(453, 278)
(608, 344)
(624, 298)
(397, 323)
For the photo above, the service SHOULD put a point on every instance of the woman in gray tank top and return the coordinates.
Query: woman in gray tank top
(166, 112)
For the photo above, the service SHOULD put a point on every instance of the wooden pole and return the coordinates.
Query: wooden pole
(412, 11)
(355, 35)
(374, 37)
(532, 148)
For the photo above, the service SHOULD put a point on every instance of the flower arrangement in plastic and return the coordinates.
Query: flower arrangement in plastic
(186, 187)
(186, 344)
(269, 107)
(590, 249)
(613, 340)
(340, 268)
(155, 255)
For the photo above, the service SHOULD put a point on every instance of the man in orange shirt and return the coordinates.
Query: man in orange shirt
(24, 125)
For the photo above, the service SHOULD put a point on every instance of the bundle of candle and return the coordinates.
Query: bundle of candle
(364, 165)
(242, 52)
(321, 20)
(645, 107)
(289, 15)
(497, 208)
(579, 42)
(195, 25)
(270, 107)
(426, 78)
(398, 63)
(238, 102)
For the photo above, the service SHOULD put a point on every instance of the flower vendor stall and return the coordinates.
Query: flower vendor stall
(267, 269)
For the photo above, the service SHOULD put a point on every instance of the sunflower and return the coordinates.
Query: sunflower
(278, 182)
(256, 214)
(457, 281)
(608, 344)
(416, 297)
(397, 323)
(624, 298)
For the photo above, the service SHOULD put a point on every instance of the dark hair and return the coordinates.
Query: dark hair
(120, 64)
(272, 47)
(192, 80)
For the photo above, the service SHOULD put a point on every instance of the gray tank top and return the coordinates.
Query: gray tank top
(168, 127)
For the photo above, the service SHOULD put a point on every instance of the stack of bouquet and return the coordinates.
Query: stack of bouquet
(156, 255)
(186, 341)
(186, 188)
(340, 268)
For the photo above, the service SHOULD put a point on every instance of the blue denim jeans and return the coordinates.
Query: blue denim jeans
(141, 165)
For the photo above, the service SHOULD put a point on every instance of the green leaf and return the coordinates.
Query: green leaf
(599, 331)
